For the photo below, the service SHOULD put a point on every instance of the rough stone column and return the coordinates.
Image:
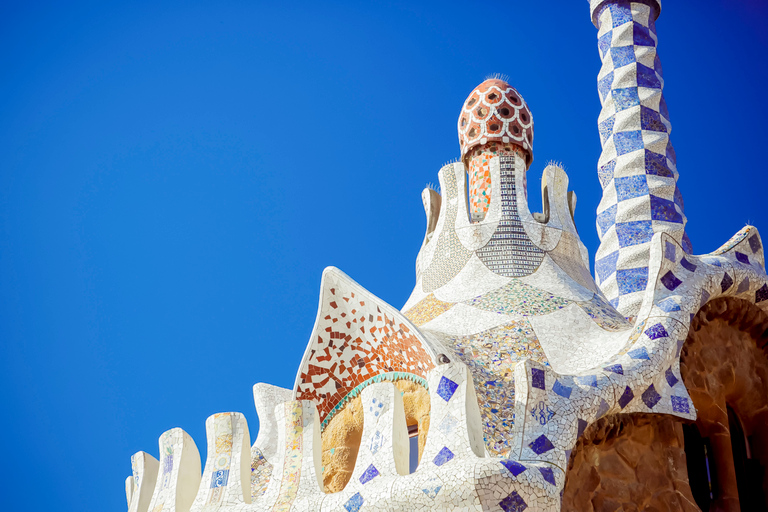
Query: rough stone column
(637, 168)
(713, 423)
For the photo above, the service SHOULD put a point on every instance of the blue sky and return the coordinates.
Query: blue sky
(174, 178)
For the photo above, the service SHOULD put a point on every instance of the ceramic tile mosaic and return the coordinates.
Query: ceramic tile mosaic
(637, 166)
(427, 309)
(604, 314)
(510, 252)
(357, 337)
(261, 471)
(495, 112)
(450, 255)
(519, 298)
(491, 357)
(479, 177)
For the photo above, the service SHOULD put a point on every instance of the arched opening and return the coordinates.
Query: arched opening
(342, 435)
(701, 469)
(749, 472)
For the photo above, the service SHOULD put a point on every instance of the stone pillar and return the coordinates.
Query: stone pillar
(713, 423)
(637, 168)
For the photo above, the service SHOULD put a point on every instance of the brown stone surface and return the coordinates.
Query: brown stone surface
(723, 363)
(341, 437)
(629, 462)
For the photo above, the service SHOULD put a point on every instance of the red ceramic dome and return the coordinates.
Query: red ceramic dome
(495, 112)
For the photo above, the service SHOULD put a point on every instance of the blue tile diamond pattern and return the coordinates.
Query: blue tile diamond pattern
(446, 388)
(541, 445)
(369, 474)
(514, 467)
(637, 167)
(650, 397)
(549, 475)
(513, 503)
(443, 456)
(354, 503)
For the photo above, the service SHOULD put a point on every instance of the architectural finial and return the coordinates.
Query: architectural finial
(595, 6)
(494, 121)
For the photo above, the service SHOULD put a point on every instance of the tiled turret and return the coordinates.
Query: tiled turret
(637, 168)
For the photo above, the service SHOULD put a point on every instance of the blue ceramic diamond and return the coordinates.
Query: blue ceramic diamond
(604, 44)
(634, 232)
(726, 283)
(670, 281)
(622, 56)
(626, 397)
(514, 467)
(625, 98)
(639, 353)
(548, 475)
(621, 13)
(632, 279)
(641, 36)
(513, 503)
(616, 368)
(369, 474)
(541, 444)
(602, 408)
(647, 77)
(669, 251)
(537, 378)
(650, 397)
(742, 257)
(671, 379)
(604, 84)
(704, 299)
(354, 503)
(743, 286)
(656, 331)
(687, 265)
(582, 427)
(754, 243)
(680, 404)
(630, 186)
(762, 293)
(446, 388)
(443, 456)
(563, 391)
(606, 266)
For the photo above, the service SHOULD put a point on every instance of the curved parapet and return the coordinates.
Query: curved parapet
(358, 339)
(296, 482)
(141, 484)
(226, 478)
(264, 449)
(383, 454)
(179, 475)
(266, 397)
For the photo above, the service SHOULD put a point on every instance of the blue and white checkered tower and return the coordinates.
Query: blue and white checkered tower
(637, 167)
